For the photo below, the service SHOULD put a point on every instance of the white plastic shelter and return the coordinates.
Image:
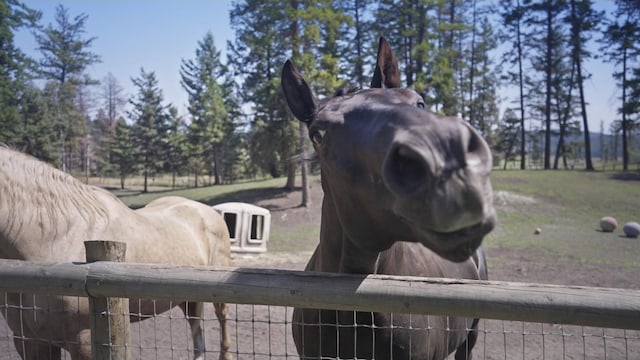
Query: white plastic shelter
(249, 226)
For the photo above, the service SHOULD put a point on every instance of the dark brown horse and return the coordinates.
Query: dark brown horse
(406, 192)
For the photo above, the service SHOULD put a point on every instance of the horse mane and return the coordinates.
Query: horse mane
(346, 89)
(34, 192)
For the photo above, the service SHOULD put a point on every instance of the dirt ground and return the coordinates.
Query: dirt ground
(261, 332)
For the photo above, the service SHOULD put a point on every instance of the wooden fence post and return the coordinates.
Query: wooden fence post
(109, 316)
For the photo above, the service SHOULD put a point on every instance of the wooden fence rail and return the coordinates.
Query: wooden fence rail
(573, 305)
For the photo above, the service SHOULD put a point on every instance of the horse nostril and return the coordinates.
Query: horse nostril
(405, 170)
(477, 153)
(474, 143)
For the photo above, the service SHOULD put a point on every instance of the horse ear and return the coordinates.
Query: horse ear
(301, 101)
(386, 73)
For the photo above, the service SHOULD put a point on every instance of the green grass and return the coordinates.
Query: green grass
(567, 207)
(209, 195)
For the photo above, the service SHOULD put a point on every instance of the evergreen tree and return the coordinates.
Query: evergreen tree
(177, 149)
(621, 46)
(411, 28)
(356, 40)
(123, 150)
(37, 135)
(211, 120)
(507, 140)
(512, 24)
(481, 77)
(260, 48)
(149, 117)
(15, 73)
(546, 40)
(65, 58)
(583, 21)
(100, 136)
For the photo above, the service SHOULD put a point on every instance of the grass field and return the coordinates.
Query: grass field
(565, 205)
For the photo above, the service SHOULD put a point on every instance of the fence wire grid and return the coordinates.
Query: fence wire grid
(264, 332)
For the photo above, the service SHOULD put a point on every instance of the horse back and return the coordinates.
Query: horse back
(195, 227)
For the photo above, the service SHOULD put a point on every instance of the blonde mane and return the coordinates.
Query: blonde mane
(34, 193)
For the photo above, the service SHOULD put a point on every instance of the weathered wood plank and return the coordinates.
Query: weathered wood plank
(573, 305)
(43, 277)
(616, 308)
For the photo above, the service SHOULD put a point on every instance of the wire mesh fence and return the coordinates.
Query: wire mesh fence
(264, 332)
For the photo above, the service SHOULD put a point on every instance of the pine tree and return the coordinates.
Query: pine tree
(583, 20)
(508, 136)
(546, 41)
(357, 39)
(149, 117)
(512, 24)
(481, 76)
(177, 148)
(15, 72)
(621, 45)
(211, 120)
(260, 48)
(65, 58)
(123, 150)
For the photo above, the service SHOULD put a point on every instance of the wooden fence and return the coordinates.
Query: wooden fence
(572, 305)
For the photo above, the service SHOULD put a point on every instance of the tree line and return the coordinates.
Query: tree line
(458, 54)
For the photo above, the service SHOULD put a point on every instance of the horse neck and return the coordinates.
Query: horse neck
(336, 253)
(40, 206)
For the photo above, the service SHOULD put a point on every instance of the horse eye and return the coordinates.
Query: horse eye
(316, 136)
(420, 104)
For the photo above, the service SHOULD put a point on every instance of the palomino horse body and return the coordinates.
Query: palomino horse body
(406, 192)
(45, 215)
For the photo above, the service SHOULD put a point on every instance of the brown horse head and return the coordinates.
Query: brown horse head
(395, 171)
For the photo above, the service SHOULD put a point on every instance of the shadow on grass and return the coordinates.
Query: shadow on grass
(627, 176)
(251, 196)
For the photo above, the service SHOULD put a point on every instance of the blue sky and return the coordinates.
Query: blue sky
(154, 35)
(157, 35)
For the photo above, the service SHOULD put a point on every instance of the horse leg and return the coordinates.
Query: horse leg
(222, 310)
(194, 311)
(82, 349)
(463, 352)
(35, 350)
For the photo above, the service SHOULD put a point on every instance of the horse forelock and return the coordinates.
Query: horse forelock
(36, 195)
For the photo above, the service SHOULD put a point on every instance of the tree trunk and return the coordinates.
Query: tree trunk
(471, 118)
(291, 175)
(359, 68)
(145, 182)
(216, 168)
(625, 151)
(583, 108)
(306, 200)
(547, 106)
(521, 83)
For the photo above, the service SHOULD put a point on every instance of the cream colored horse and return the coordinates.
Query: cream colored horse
(46, 214)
